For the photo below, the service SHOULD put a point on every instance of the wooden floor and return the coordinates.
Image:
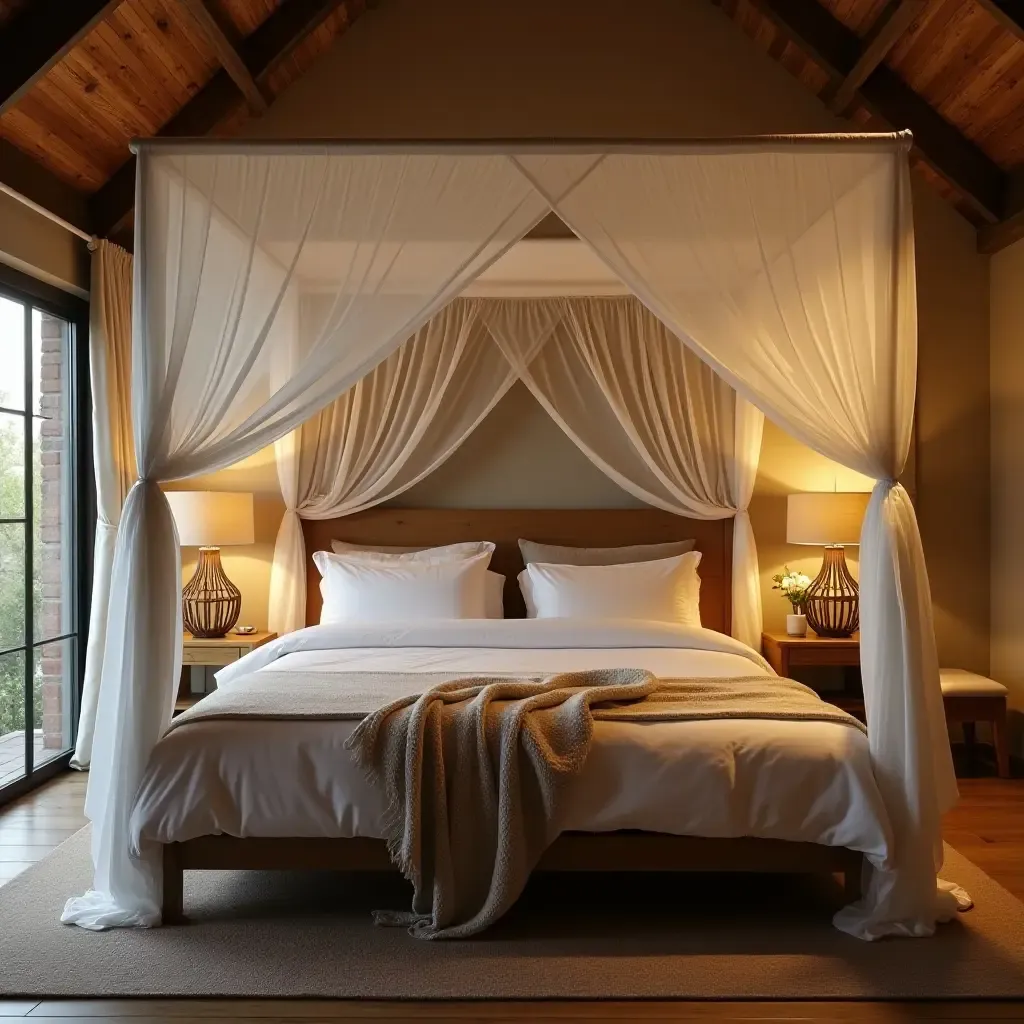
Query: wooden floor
(33, 826)
(987, 826)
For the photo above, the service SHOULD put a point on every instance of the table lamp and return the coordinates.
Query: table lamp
(209, 520)
(831, 520)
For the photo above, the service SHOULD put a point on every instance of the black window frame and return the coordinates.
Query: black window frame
(36, 294)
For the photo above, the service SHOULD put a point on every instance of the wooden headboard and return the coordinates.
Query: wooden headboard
(579, 527)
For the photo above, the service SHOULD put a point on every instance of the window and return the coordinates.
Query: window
(44, 515)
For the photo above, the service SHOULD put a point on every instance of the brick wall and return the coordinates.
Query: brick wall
(50, 556)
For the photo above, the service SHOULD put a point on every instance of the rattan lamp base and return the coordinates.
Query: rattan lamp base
(210, 602)
(833, 599)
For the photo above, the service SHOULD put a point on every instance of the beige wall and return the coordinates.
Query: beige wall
(37, 246)
(517, 458)
(1008, 472)
(531, 68)
(534, 69)
(952, 447)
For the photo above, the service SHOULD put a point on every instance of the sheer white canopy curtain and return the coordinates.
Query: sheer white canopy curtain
(272, 277)
(789, 268)
(227, 244)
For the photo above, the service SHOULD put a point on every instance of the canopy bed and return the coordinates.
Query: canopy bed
(339, 832)
(288, 292)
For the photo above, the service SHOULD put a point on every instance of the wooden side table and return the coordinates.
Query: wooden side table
(221, 651)
(784, 653)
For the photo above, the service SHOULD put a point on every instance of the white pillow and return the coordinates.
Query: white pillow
(444, 552)
(665, 590)
(494, 587)
(356, 590)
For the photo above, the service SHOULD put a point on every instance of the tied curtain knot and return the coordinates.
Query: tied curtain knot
(145, 483)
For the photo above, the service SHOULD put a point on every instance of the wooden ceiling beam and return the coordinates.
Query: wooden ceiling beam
(38, 37)
(23, 174)
(220, 38)
(1009, 14)
(261, 51)
(993, 237)
(895, 18)
(837, 50)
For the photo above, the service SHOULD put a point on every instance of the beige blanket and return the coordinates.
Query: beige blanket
(293, 696)
(476, 772)
(351, 696)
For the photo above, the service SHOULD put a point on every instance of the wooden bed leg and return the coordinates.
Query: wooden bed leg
(851, 882)
(174, 885)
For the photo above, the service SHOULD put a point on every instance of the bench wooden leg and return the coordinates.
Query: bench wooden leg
(1001, 743)
(970, 738)
(174, 885)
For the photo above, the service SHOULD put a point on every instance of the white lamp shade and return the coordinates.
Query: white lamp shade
(828, 517)
(212, 518)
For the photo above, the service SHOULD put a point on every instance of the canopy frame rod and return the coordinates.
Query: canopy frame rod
(894, 141)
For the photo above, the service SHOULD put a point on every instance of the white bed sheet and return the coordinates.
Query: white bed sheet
(809, 781)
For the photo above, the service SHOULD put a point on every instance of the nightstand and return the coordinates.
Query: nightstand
(221, 651)
(784, 653)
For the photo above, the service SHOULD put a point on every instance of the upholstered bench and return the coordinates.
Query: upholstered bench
(970, 698)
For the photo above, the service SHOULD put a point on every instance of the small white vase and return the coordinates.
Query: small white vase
(796, 625)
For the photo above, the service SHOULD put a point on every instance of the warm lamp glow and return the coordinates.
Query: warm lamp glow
(829, 517)
(212, 518)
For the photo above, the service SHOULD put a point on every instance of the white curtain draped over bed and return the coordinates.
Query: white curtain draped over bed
(647, 412)
(110, 371)
(786, 264)
(642, 407)
(791, 272)
(225, 242)
(382, 436)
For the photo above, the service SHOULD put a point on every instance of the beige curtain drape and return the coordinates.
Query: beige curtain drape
(646, 411)
(110, 366)
(389, 431)
(640, 405)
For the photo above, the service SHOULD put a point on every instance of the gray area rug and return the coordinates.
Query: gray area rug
(583, 936)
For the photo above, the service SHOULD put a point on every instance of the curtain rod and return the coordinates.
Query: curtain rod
(48, 214)
(501, 147)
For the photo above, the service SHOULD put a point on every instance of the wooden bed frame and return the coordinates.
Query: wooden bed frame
(615, 851)
(573, 851)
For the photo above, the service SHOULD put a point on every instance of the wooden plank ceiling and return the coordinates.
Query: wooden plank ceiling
(952, 71)
(138, 68)
(82, 77)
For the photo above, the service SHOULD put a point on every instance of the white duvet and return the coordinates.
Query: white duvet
(807, 781)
